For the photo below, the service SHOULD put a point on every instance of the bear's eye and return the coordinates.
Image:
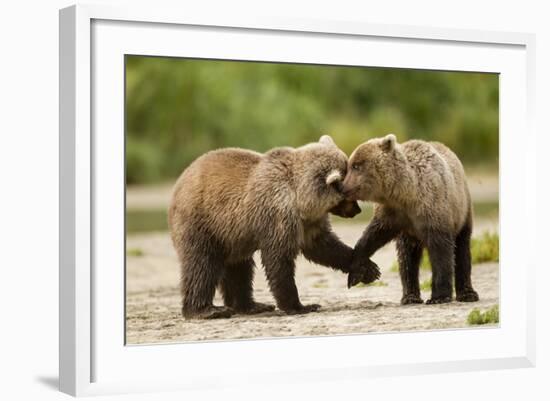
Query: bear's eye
(356, 166)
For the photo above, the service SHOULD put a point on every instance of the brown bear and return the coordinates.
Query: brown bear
(231, 202)
(421, 199)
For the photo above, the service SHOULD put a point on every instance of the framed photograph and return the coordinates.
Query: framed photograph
(236, 194)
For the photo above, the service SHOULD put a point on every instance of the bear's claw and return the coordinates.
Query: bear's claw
(467, 296)
(363, 272)
(303, 309)
(441, 300)
(411, 299)
(211, 312)
(255, 308)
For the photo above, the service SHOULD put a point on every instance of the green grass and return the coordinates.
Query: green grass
(477, 317)
(378, 283)
(424, 263)
(426, 285)
(485, 248)
(134, 252)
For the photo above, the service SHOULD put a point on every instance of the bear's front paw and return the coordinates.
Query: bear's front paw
(302, 309)
(209, 312)
(255, 308)
(363, 271)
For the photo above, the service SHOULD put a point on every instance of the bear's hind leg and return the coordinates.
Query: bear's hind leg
(236, 288)
(441, 252)
(200, 274)
(463, 267)
(409, 251)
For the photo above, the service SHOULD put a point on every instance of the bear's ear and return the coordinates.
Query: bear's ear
(334, 178)
(327, 140)
(388, 142)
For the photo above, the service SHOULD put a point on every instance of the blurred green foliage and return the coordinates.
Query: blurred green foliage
(137, 252)
(177, 109)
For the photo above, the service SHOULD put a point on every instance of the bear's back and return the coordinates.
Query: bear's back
(213, 186)
(441, 180)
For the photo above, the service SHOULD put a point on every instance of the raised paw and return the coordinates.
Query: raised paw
(354, 278)
(363, 272)
(467, 296)
(210, 312)
(411, 299)
(438, 300)
(303, 309)
(255, 308)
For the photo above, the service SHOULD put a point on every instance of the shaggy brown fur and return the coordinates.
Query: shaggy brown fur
(422, 200)
(231, 202)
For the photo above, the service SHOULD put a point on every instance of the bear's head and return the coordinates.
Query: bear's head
(375, 170)
(320, 172)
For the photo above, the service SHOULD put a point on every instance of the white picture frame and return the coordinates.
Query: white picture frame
(93, 357)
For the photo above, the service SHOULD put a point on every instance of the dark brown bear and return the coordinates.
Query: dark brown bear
(231, 202)
(422, 200)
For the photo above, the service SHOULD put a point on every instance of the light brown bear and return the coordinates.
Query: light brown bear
(422, 200)
(231, 202)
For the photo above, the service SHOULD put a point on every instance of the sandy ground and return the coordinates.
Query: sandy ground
(153, 302)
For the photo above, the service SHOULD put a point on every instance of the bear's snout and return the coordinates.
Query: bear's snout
(349, 188)
(338, 185)
(346, 208)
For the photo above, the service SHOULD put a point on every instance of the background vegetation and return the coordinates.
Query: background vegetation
(177, 109)
(490, 316)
